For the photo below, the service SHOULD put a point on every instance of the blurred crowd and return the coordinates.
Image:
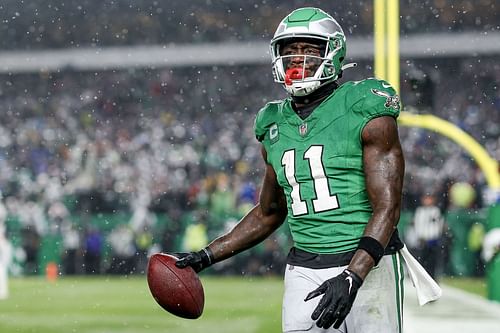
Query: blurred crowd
(464, 92)
(62, 24)
(171, 142)
(177, 145)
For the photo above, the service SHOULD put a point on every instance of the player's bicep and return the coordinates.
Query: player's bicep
(272, 198)
(383, 163)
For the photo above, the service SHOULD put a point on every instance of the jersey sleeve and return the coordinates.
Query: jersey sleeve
(372, 98)
(264, 120)
(258, 126)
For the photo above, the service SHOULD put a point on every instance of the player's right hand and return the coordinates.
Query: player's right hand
(196, 260)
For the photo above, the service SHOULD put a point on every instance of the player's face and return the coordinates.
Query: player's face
(298, 54)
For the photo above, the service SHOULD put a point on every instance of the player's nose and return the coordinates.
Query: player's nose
(297, 58)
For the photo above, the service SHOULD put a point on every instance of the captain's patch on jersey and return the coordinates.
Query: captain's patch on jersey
(273, 133)
(390, 101)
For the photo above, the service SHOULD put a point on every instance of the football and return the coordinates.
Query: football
(178, 291)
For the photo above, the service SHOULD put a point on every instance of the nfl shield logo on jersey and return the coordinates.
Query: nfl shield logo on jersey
(303, 129)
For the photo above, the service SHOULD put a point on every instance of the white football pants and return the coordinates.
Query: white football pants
(376, 309)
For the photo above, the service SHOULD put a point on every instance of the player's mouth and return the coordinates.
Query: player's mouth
(295, 73)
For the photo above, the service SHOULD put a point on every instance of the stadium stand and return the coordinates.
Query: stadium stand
(63, 24)
(161, 148)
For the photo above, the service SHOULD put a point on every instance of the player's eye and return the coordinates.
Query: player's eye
(311, 51)
(288, 52)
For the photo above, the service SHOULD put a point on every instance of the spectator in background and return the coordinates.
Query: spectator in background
(463, 259)
(122, 242)
(5, 259)
(31, 241)
(71, 246)
(428, 226)
(93, 251)
(143, 243)
(5, 253)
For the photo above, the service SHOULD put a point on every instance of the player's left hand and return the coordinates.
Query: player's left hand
(339, 294)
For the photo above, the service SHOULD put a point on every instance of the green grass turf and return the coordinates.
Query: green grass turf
(476, 286)
(108, 305)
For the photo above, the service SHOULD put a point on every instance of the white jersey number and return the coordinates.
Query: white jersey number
(324, 200)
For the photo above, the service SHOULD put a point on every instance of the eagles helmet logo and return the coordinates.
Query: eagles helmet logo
(390, 101)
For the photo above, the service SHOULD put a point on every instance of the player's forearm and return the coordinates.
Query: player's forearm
(251, 230)
(380, 227)
(384, 171)
(384, 185)
(383, 223)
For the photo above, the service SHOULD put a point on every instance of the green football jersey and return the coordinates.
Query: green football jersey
(319, 162)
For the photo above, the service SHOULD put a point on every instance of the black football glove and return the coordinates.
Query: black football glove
(197, 260)
(339, 294)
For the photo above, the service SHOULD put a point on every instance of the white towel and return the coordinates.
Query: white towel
(427, 289)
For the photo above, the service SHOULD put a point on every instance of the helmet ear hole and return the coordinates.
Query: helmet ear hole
(341, 59)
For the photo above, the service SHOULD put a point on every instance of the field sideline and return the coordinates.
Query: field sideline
(121, 305)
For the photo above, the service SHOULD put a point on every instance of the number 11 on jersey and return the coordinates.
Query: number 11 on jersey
(324, 200)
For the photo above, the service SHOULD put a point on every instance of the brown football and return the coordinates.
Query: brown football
(177, 290)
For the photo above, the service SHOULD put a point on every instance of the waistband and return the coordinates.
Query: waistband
(298, 257)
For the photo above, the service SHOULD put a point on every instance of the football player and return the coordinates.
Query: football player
(334, 171)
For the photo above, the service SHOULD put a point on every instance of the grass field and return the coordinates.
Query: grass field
(122, 305)
(472, 285)
(108, 305)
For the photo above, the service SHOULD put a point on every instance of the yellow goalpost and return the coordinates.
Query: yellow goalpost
(386, 38)
(386, 31)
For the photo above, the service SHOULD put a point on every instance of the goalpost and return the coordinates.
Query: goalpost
(386, 65)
